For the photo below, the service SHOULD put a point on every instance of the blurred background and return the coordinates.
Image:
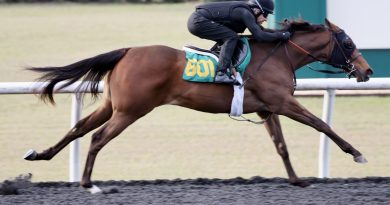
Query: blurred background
(173, 142)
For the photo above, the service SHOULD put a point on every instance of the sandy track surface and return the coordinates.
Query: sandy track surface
(256, 190)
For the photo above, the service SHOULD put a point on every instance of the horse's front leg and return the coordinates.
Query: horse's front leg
(272, 124)
(292, 109)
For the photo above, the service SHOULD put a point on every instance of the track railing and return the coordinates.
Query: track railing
(330, 85)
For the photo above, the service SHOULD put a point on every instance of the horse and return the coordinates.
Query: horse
(138, 79)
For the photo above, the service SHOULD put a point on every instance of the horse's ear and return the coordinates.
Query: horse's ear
(330, 25)
(327, 22)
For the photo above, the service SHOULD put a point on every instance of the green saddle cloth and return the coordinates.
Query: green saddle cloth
(200, 66)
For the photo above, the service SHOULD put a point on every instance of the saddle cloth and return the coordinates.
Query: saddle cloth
(201, 64)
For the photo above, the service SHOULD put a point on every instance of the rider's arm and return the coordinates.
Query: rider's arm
(250, 21)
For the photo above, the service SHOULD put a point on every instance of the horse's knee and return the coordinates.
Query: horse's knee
(78, 130)
(80, 123)
(95, 146)
(96, 137)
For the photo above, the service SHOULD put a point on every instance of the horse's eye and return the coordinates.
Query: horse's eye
(348, 44)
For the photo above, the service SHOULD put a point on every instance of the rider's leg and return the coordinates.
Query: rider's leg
(227, 50)
(207, 29)
(216, 48)
(222, 74)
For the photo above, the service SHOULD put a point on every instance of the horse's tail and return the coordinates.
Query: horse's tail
(91, 70)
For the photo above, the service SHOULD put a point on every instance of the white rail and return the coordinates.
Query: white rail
(330, 85)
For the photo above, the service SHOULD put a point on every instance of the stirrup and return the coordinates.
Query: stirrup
(222, 77)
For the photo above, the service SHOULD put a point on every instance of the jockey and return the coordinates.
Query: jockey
(221, 21)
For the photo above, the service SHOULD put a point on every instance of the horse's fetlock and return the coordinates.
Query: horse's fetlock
(298, 182)
(48, 157)
(46, 154)
(86, 184)
(349, 149)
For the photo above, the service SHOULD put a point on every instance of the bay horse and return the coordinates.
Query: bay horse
(139, 79)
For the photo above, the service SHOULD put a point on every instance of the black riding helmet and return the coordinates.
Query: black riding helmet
(266, 6)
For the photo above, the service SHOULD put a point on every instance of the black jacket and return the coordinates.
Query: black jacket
(237, 16)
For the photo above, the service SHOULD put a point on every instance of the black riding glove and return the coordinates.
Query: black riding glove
(285, 36)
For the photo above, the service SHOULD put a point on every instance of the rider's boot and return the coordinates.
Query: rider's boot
(222, 76)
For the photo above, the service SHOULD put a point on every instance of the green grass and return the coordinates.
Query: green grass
(170, 142)
(53, 34)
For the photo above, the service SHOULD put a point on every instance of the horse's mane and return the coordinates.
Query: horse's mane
(300, 25)
(295, 25)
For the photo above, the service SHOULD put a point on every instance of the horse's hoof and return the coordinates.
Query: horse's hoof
(360, 159)
(301, 183)
(94, 189)
(30, 155)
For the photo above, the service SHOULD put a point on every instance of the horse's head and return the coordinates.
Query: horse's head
(331, 45)
(346, 56)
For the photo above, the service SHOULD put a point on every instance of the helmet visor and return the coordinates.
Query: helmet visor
(264, 12)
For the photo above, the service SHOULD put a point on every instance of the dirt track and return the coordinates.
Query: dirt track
(257, 190)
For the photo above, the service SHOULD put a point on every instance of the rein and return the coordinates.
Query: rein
(244, 119)
(304, 51)
(291, 65)
(347, 66)
(262, 63)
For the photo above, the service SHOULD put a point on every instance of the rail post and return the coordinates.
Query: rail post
(74, 149)
(327, 111)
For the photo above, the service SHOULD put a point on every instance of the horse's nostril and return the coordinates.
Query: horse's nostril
(370, 71)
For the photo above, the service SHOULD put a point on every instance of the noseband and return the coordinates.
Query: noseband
(341, 56)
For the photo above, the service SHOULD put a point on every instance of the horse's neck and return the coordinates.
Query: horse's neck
(266, 54)
(270, 63)
(316, 44)
(272, 57)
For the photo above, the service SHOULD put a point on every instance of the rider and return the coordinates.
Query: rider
(221, 21)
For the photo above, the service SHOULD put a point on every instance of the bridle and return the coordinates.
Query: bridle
(340, 55)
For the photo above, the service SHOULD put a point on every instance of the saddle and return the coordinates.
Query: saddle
(201, 63)
(240, 52)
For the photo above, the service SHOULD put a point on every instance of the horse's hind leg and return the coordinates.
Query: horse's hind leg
(118, 122)
(272, 124)
(93, 121)
(295, 111)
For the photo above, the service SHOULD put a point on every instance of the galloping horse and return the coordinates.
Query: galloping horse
(135, 85)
